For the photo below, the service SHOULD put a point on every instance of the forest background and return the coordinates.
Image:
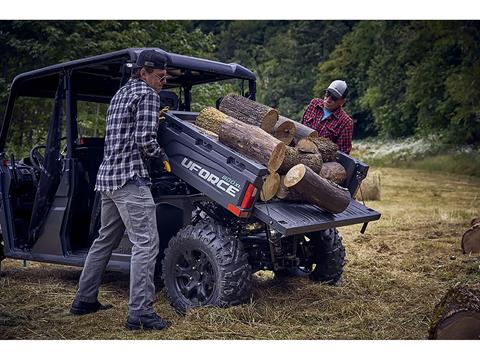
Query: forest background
(411, 82)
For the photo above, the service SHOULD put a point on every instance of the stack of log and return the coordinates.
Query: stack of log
(301, 165)
(471, 238)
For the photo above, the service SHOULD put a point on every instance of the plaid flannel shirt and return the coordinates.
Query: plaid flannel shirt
(131, 135)
(338, 127)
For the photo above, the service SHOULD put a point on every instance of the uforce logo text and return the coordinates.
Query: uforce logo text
(230, 186)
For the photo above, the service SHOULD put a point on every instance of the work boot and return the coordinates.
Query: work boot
(83, 308)
(146, 322)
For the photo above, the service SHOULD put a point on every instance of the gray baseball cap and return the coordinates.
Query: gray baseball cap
(338, 88)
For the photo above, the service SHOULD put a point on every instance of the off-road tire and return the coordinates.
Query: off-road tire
(329, 256)
(205, 265)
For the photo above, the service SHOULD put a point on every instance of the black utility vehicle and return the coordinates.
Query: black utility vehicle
(213, 229)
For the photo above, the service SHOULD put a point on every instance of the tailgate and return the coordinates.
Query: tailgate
(291, 218)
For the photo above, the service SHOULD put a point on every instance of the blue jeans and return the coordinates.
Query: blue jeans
(129, 208)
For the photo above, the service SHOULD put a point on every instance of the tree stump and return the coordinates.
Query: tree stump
(326, 147)
(284, 131)
(471, 240)
(457, 315)
(294, 157)
(254, 143)
(211, 119)
(249, 111)
(270, 186)
(317, 190)
(333, 171)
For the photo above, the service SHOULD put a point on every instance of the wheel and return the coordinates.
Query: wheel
(328, 255)
(205, 265)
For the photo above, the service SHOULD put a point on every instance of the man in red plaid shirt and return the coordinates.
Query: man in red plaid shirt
(327, 116)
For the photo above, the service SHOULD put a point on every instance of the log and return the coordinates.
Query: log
(471, 240)
(306, 146)
(327, 148)
(317, 190)
(284, 131)
(370, 188)
(333, 171)
(285, 193)
(301, 131)
(211, 119)
(294, 157)
(249, 111)
(207, 132)
(254, 143)
(457, 315)
(270, 186)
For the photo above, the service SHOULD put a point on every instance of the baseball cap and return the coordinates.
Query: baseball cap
(338, 88)
(151, 58)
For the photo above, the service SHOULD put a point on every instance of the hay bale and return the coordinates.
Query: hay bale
(370, 188)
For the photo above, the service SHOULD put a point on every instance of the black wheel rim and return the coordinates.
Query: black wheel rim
(194, 277)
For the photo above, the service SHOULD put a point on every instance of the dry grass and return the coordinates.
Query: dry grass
(394, 276)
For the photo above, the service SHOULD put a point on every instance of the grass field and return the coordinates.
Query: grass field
(394, 276)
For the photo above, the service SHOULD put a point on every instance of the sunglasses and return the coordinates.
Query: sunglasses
(161, 78)
(328, 94)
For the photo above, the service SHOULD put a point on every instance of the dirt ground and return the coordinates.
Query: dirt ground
(394, 276)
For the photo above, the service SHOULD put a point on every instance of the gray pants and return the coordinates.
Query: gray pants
(132, 208)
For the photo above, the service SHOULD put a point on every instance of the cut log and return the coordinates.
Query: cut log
(206, 132)
(327, 148)
(457, 315)
(370, 188)
(294, 157)
(285, 193)
(211, 119)
(254, 143)
(333, 171)
(306, 146)
(284, 131)
(270, 186)
(249, 111)
(301, 131)
(475, 221)
(471, 240)
(316, 189)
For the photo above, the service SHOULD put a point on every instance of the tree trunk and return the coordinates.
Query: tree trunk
(284, 131)
(254, 143)
(317, 190)
(294, 157)
(306, 146)
(270, 186)
(471, 240)
(285, 193)
(333, 171)
(457, 315)
(327, 148)
(211, 119)
(249, 112)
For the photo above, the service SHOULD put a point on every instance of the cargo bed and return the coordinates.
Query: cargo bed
(224, 175)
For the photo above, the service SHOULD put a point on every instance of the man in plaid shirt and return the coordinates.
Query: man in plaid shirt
(328, 117)
(127, 203)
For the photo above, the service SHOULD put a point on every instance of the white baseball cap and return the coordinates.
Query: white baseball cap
(338, 88)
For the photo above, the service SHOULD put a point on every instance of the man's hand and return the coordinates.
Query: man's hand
(165, 161)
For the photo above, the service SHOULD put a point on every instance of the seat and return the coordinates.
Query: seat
(169, 98)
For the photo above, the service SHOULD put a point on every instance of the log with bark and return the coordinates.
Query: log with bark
(206, 132)
(301, 131)
(284, 131)
(306, 146)
(333, 171)
(270, 186)
(471, 239)
(254, 143)
(457, 315)
(249, 111)
(212, 119)
(370, 188)
(285, 193)
(316, 189)
(294, 157)
(326, 147)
